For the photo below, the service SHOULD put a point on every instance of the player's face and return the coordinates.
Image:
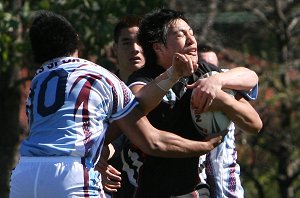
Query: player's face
(129, 53)
(209, 57)
(180, 38)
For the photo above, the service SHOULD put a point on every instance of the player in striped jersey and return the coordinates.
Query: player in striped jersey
(221, 167)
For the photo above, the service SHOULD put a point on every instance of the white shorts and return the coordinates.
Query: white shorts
(43, 177)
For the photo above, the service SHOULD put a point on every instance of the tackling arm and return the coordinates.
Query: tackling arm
(239, 110)
(239, 78)
(161, 143)
(205, 89)
(150, 95)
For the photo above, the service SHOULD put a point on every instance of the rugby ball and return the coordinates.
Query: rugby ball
(211, 122)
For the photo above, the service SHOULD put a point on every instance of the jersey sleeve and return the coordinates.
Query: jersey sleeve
(250, 95)
(123, 101)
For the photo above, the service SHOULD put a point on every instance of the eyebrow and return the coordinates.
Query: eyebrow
(126, 39)
(180, 29)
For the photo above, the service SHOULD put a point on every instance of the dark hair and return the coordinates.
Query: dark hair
(52, 36)
(204, 48)
(154, 28)
(126, 22)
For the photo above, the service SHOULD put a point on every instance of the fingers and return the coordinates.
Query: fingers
(113, 173)
(192, 86)
(206, 105)
(181, 57)
(216, 140)
(195, 66)
(111, 187)
(183, 64)
(201, 100)
(224, 133)
(204, 93)
(190, 63)
(213, 141)
(111, 179)
(108, 189)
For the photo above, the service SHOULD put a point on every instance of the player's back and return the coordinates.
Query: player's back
(69, 105)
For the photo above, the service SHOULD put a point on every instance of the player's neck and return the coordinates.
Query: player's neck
(75, 54)
(124, 75)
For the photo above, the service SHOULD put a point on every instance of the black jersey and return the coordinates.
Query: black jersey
(163, 177)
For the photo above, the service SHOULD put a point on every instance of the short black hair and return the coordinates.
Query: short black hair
(154, 28)
(51, 36)
(201, 48)
(126, 22)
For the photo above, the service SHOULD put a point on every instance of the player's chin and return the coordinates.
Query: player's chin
(137, 65)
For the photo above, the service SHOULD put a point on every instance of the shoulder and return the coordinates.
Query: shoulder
(205, 67)
(145, 74)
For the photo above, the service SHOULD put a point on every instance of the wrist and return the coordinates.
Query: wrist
(221, 79)
(172, 74)
(166, 80)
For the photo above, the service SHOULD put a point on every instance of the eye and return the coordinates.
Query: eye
(180, 34)
(127, 42)
(191, 32)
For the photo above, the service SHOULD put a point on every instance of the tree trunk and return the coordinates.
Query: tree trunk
(10, 131)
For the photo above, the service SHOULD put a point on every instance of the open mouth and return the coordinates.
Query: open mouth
(136, 58)
(191, 51)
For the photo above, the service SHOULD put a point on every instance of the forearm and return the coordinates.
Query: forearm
(241, 113)
(173, 146)
(239, 78)
(160, 143)
(150, 95)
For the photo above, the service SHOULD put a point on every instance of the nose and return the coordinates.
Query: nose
(191, 39)
(137, 48)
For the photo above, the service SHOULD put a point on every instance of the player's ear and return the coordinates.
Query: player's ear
(158, 47)
(114, 49)
(115, 52)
